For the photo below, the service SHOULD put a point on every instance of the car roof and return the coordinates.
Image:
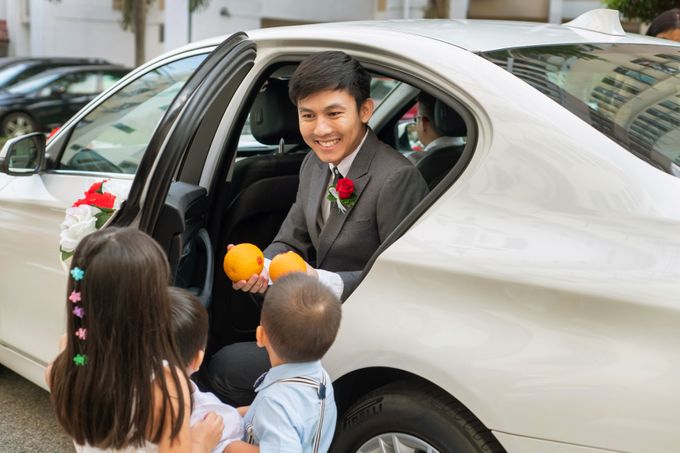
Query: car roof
(472, 35)
(486, 35)
(6, 61)
(68, 69)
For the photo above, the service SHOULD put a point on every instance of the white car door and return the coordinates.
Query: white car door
(106, 141)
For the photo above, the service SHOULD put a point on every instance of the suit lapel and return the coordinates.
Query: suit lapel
(358, 173)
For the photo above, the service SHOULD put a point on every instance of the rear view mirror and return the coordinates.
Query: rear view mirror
(23, 156)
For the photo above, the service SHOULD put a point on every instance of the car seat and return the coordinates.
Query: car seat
(436, 164)
(262, 190)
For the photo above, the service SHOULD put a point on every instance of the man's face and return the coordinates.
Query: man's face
(331, 124)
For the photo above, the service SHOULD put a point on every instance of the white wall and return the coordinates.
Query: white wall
(78, 28)
(242, 15)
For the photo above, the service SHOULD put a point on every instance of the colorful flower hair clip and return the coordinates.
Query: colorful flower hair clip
(74, 296)
(81, 333)
(80, 359)
(77, 273)
(79, 312)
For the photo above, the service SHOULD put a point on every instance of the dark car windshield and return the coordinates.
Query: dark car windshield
(32, 84)
(11, 72)
(629, 92)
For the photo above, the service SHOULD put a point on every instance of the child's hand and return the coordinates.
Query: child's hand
(206, 433)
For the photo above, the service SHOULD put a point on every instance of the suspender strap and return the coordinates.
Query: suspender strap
(321, 393)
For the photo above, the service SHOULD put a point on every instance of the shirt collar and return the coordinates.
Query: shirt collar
(346, 163)
(289, 370)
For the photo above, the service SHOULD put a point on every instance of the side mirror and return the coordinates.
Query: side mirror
(23, 156)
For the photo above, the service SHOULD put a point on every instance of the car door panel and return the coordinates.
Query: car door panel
(31, 311)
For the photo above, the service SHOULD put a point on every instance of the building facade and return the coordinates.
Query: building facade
(91, 28)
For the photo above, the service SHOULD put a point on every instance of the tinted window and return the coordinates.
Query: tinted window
(109, 79)
(629, 92)
(113, 137)
(32, 84)
(81, 83)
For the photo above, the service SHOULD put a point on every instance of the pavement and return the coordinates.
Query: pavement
(27, 420)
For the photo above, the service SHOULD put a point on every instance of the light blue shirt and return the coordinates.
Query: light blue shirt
(284, 416)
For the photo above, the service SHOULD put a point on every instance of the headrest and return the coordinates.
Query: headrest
(448, 121)
(273, 116)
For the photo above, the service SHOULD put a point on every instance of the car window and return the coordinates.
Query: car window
(10, 73)
(109, 79)
(30, 72)
(32, 84)
(113, 137)
(629, 92)
(81, 83)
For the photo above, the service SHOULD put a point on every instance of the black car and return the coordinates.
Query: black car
(16, 69)
(47, 100)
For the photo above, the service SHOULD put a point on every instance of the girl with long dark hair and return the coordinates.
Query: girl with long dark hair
(118, 384)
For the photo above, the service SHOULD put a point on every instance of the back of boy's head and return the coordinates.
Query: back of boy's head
(301, 318)
(188, 324)
(330, 70)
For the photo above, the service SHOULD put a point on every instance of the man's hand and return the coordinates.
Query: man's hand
(206, 433)
(255, 284)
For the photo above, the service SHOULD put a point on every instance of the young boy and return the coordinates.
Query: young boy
(294, 410)
(189, 320)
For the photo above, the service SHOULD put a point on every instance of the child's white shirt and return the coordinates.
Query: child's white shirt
(205, 402)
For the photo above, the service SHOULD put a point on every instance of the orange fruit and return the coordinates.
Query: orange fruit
(285, 263)
(242, 261)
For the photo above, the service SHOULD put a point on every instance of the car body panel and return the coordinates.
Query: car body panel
(540, 287)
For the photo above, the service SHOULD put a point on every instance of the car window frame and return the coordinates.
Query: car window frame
(216, 169)
(63, 136)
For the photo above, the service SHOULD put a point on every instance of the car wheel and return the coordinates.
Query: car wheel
(411, 417)
(16, 124)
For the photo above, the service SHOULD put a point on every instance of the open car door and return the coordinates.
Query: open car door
(174, 212)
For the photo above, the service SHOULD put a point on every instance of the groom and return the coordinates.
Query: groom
(331, 91)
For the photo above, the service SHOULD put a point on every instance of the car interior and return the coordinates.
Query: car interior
(243, 209)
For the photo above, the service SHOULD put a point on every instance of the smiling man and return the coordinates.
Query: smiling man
(354, 190)
(335, 235)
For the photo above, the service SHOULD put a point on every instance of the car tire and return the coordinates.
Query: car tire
(414, 416)
(16, 124)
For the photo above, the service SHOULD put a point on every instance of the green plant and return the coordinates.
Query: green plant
(644, 10)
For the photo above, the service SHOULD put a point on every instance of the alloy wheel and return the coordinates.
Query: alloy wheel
(18, 125)
(396, 443)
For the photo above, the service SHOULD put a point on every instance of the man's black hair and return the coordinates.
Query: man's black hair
(330, 70)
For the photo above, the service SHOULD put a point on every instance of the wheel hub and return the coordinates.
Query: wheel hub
(396, 443)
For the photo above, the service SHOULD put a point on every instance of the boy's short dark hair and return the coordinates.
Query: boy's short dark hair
(330, 70)
(189, 324)
(301, 317)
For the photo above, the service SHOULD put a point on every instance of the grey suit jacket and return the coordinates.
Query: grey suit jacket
(387, 186)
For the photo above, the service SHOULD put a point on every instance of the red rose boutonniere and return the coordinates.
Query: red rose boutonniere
(342, 195)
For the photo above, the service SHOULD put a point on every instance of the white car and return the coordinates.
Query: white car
(530, 303)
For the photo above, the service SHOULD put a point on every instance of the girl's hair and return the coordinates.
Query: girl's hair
(666, 21)
(109, 401)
